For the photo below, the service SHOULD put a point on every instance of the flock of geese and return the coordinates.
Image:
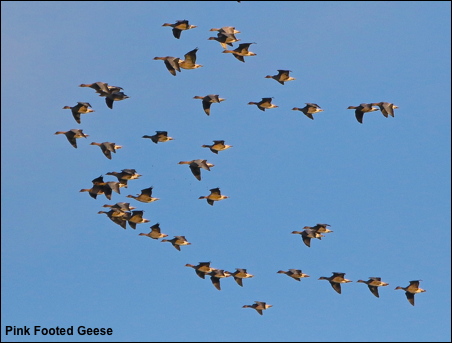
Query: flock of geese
(123, 213)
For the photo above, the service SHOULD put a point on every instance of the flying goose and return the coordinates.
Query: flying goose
(71, 135)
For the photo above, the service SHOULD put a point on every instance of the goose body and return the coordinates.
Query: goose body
(373, 283)
(215, 195)
(107, 148)
(77, 110)
(361, 109)
(412, 289)
(196, 165)
(71, 135)
(190, 60)
(179, 26)
(309, 109)
(177, 241)
(201, 269)
(171, 63)
(335, 280)
(160, 136)
(217, 146)
(264, 104)
(209, 100)
(145, 196)
(295, 274)
(241, 51)
(259, 306)
(155, 232)
(282, 76)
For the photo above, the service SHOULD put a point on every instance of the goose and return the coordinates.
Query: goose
(215, 195)
(361, 109)
(216, 275)
(116, 216)
(99, 189)
(217, 146)
(160, 136)
(155, 232)
(387, 108)
(124, 176)
(190, 60)
(136, 217)
(307, 234)
(196, 165)
(114, 96)
(259, 306)
(241, 51)
(335, 280)
(107, 148)
(114, 186)
(121, 206)
(240, 274)
(145, 196)
(102, 88)
(201, 269)
(171, 63)
(309, 109)
(71, 135)
(411, 290)
(281, 77)
(265, 103)
(81, 107)
(295, 274)
(225, 36)
(208, 100)
(177, 241)
(322, 228)
(226, 29)
(179, 26)
(373, 283)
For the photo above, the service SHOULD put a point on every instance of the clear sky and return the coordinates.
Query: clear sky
(383, 186)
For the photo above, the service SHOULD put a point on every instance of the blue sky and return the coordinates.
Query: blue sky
(383, 186)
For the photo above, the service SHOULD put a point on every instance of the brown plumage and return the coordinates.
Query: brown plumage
(259, 306)
(216, 275)
(281, 77)
(240, 274)
(225, 36)
(373, 283)
(196, 165)
(145, 196)
(171, 63)
(264, 104)
(201, 269)
(309, 110)
(411, 290)
(386, 108)
(308, 233)
(179, 26)
(177, 241)
(215, 195)
(160, 136)
(208, 100)
(241, 51)
(190, 60)
(217, 146)
(77, 110)
(361, 109)
(107, 148)
(335, 280)
(102, 88)
(71, 135)
(295, 274)
(155, 232)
